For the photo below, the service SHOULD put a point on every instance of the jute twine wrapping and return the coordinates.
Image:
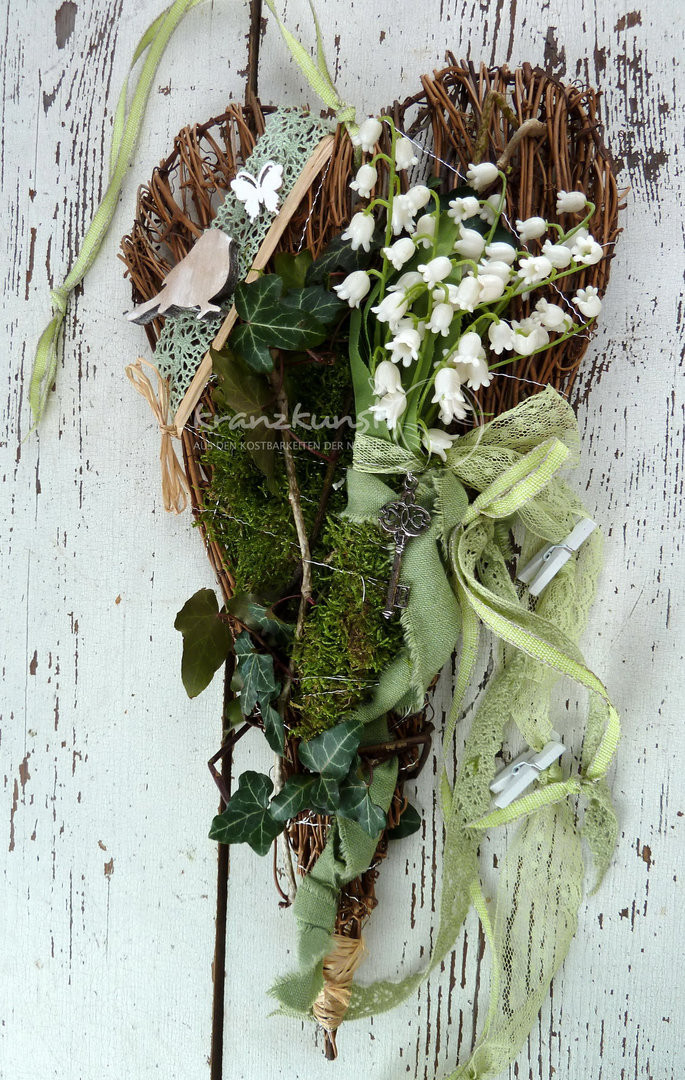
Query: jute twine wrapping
(463, 114)
(174, 484)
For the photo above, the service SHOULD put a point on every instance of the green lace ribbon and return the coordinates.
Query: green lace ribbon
(513, 464)
(125, 133)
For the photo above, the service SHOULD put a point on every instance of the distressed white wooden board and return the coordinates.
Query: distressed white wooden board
(106, 967)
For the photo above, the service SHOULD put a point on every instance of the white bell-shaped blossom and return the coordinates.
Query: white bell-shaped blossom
(390, 407)
(438, 442)
(501, 251)
(586, 250)
(448, 396)
(500, 336)
(424, 233)
(403, 213)
(467, 293)
(368, 134)
(490, 208)
(496, 266)
(491, 288)
(406, 281)
(400, 252)
(404, 154)
(534, 269)
(364, 181)
(553, 317)
(461, 209)
(386, 379)
(528, 336)
(588, 302)
(441, 317)
(354, 287)
(570, 202)
(404, 347)
(391, 309)
(360, 231)
(436, 270)
(418, 197)
(481, 176)
(531, 228)
(578, 234)
(558, 254)
(470, 243)
(469, 349)
(475, 374)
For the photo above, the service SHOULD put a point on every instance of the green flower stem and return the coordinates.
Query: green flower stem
(498, 213)
(543, 348)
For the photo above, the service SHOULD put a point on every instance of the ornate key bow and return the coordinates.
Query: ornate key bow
(403, 519)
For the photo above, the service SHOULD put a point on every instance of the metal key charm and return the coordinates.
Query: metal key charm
(403, 519)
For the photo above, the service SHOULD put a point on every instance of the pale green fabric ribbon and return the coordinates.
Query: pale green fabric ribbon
(125, 132)
(513, 463)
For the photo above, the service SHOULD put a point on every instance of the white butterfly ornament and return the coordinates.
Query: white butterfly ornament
(257, 191)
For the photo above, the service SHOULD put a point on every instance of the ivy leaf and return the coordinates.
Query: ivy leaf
(237, 387)
(338, 256)
(259, 682)
(357, 805)
(324, 796)
(274, 730)
(206, 640)
(370, 816)
(247, 818)
(331, 753)
(268, 323)
(258, 618)
(292, 269)
(293, 797)
(322, 304)
(409, 823)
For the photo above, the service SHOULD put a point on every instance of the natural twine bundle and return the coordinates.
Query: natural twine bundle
(549, 137)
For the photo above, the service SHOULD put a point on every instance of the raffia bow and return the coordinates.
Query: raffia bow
(174, 484)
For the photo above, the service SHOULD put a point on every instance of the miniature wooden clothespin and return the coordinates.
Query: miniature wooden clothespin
(549, 560)
(520, 773)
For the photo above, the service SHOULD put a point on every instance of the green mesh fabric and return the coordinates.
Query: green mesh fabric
(290, 138)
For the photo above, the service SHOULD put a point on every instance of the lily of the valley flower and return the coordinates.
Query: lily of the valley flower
(496, 266)
(390, 407)
(481, 176)
(469, 349)
(440, 319)
(462, 209)
(436, 270)
(586, 250)
(528, 336)
(354, 288)
(364, 181)
(391, 309)
(531, 228)
(500, 336)
(404, 347)
(588, 302)
(403, 213)
(360, 231)
(502, 252)
(418, 197)
(475, 374)
(467, 293)
(437, 441)
(553, 317)
(558, 254)
(489, 209)
(368, 134)
(406, 281)
(400, 252)
(570, 202)
(534, 269)
(386, 379)
(491, 288)
(424, 232)
(470, 244)
(448, 396)
(404, 154)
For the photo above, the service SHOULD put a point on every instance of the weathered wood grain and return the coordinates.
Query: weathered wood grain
(108, 880)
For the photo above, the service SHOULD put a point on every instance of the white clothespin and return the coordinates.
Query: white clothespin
(550, 559)
(520, 773)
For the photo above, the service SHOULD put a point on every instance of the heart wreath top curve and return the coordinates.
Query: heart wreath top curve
(366, 333)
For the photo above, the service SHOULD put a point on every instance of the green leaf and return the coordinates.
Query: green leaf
(233, 714)
(268, 323)
(332, 752)
(292, 269)
(247, 818)
(259, 682)
(206, 640)
(338, 256)
(237, 387)
(293, 797)
(371, 817)
(274, 730)
(318, 302)
(357, 805)
(409, 823)
(258, 618)
(324, 796)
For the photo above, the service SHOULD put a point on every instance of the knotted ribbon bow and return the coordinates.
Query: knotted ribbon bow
(174, 484)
